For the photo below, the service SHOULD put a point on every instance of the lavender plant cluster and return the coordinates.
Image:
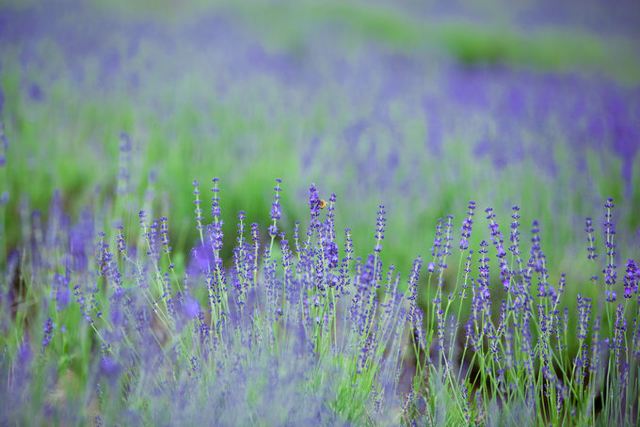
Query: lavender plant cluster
(289, 333)
(100, 326)
(127, 298)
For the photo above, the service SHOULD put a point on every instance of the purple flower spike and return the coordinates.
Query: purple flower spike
(62, 292)
(314, 201)
(276, 210)
(610, 273)
(467, 226)
(380, 226)
(48, 332)
(591, 250)
(610, 295)
(198, 209)
(631, 279)
(215, 200)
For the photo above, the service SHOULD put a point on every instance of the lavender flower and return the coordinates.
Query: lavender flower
(609, 272)
(215, 199)
(109, 368)
(62, 292)
(198, 209)
(276, 210)
(124, 178)
(591, 250)
(584, 314)
(467, 226)
(631, 279)
(120, 240)
(380, 225)
(164, 234)
(47, 332)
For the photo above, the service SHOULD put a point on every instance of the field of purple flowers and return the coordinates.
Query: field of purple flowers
(469, 252)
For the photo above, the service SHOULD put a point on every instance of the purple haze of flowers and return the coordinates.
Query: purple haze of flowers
(109, 368)
(190, 307)
(4, 143)
(201, 260)
(35, 92)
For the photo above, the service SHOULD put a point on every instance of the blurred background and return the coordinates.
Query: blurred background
(420, 105)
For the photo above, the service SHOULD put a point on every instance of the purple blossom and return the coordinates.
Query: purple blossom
(610, 273)
(610, 295)
(215, 199)
(4, 142)
(631, 279)
(620, 328)
(164, 234)
(24, 354)
(591, 250)
(215, 234)
(110, 368)
(62, 291)
(380, 226)
(276, 210)
(437, 240)
(584, 314)
(198, 209)
(201, 260)
(47, 332)
(120, 240)
(190, 307)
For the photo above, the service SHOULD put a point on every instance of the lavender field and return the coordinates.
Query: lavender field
(292, 213)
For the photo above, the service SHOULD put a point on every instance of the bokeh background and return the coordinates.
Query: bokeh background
(420, 105)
